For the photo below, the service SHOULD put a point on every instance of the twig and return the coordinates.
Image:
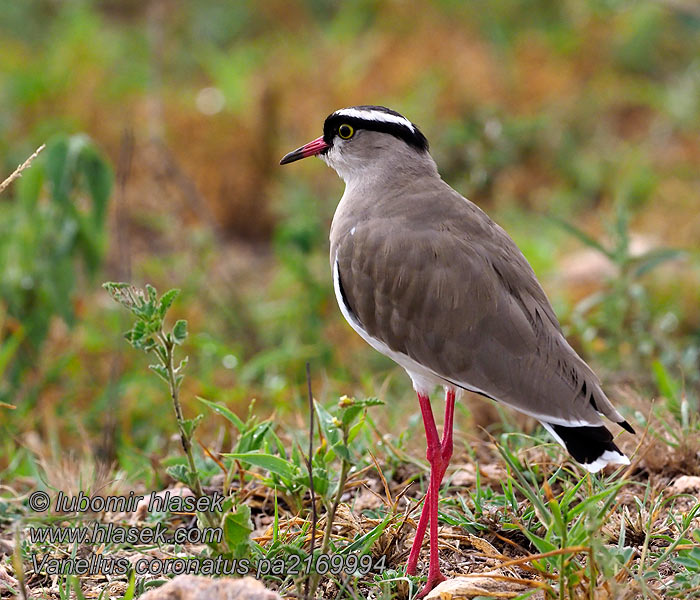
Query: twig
(309, 465)
(18, 171)
(185, 438)
(175, 396)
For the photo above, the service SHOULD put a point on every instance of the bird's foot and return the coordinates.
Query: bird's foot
(433, 580)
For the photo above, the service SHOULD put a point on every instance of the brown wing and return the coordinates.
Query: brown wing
(456, 294)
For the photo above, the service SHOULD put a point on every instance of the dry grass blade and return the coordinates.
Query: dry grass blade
(531, 557)
(510, 542)
(384, 482)
(18, 171)
(214, 458)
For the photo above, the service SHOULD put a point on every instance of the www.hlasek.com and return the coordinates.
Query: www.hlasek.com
(103, 533)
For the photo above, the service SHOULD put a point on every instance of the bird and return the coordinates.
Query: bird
(427, 278)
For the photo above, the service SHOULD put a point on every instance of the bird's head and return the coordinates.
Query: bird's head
(357, 139)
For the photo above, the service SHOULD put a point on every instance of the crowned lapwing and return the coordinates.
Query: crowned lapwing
(427, 278)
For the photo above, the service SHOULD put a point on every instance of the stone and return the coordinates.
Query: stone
(192, 587)
(468, 587)
(686, 484)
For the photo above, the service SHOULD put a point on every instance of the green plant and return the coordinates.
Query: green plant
(148, 334)
(339, 431)
(290, 320)
(621, 313)
(55, 220)
(287, 473)
(562, 526)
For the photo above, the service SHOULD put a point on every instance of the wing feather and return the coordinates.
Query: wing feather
(456, 295)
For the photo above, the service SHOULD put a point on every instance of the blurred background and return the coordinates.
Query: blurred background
(575, 125)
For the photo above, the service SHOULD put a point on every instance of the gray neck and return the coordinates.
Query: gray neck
(389, 172)
(380, 188)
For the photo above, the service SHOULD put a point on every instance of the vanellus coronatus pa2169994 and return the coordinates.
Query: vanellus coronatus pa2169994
(427, 278)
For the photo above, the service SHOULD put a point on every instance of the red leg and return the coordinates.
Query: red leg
(446, 444)
(446, 447)
(438, 454)
(420, 534)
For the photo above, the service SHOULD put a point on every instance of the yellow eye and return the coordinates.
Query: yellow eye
(345, 131)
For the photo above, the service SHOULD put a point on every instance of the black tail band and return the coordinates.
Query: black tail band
(586, 444)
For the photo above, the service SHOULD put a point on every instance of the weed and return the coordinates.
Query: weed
(148, 334)
(621, 313)
(41, 242)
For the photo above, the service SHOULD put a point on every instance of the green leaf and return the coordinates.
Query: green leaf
(128, 296)
(253, 439)
(687, 562)
(369, 402)
(99, 178)
(189, 425)
(356, 429)
(9, 347)
(161, 371)
(138, 331)
(654, 258)
(330, 431)
(75, 583)
(149, 307)
(28, 187)
(166, 301)
(273, 439)
(148, 345)
(131, 588)
(342, 451)
(668, 387)
(180, 331)
(180, 473)
(269, 462)
(322, 481)
(237, 529)
(350, 414)
(540, 543)
(229, 415)
(582, 236)
(364, 543)
(56, 154)
(152, 293)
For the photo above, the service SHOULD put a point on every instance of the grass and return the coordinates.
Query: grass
(542, 526)
(574, 124)
(532, 522)
(517, 514)
(514, 514)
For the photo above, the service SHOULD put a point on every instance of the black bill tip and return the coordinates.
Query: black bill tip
(311, 149)
(293, 156)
